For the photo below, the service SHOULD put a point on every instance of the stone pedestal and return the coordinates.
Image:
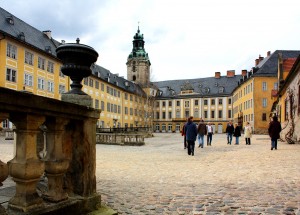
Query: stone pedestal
(56, 163)
(84, 100)
(25, 168)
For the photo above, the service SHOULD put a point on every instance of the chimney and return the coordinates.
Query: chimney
(244, 72)
(48, 33)
(230, 73)
(217, 74)
(260, 58)
(268, 53)
(256, 62)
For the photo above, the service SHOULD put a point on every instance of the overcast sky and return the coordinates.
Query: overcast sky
(184, 39)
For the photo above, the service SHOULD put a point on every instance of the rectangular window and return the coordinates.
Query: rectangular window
(187, 114)
(50, 67)
(41, 63)
(177, 103)
(28, 58)
(196, 113)
(220, 101)
(264, 117)
(205, 114)
(157, 115)
(212, 114)
(264, 102)
(85, 81)
(126, 96)
(196, 102)
(229, 114)
(102, 105)
(131, 111)
(97, 84)
(50, 86)
(170, 115)
(61, 89)
(187, 104)
(220, 114)
(91, 82)
(119, 109)
(41, 84)
(163, 104)
(212, 102)
(264, 86)
(102, 87)
(11, 51)
(108, 107)
(126, 110)
(205, 102)
(170, 103)
(130, 97)
(163, 115)
(96, 104)
(11, 75)
(276, 86)
(28, 80)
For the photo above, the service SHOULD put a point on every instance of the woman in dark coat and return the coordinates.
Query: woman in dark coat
(237, 133)
(274, 132)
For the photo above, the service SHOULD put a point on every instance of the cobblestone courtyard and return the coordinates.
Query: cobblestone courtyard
(160, 178)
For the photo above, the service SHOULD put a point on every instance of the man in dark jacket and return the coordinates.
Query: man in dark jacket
(201, 132)
(191, 135)
(274, 131)
(229, 131)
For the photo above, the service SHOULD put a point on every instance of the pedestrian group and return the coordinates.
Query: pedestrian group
(191, 132)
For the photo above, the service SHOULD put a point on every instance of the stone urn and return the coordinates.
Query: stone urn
(77, 59)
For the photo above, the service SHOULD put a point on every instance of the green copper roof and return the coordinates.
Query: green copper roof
(138, 49)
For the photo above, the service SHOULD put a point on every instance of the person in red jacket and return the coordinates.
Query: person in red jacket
(274, 132)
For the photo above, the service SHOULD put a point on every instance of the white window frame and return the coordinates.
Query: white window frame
(264, 86)
(50, 86)
(50, 67)
(11, 75)
(29, 58)
(28, 80)
(264, 102)
(41, 84)
(61, 89)
(11, 51)
(41, 63)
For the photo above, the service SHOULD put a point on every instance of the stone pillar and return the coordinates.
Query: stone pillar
(3, 166)
(56, 163)
(25, 168)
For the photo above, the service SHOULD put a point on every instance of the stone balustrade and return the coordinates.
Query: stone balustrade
(69, 164)
(120, 139)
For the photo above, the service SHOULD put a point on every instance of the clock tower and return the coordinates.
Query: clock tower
(138, 63)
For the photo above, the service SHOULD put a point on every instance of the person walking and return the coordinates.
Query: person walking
(210, 132)
(184, 136)
(237, 133)
(191, 135)
(201, 132)
(248, 133)
(274, 132)
(229, 131)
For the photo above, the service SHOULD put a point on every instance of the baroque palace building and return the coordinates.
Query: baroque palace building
(28, 63)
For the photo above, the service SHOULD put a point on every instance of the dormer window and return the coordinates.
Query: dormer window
(21, 36)
(221, 89)
(10, 19)
(48, 49)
